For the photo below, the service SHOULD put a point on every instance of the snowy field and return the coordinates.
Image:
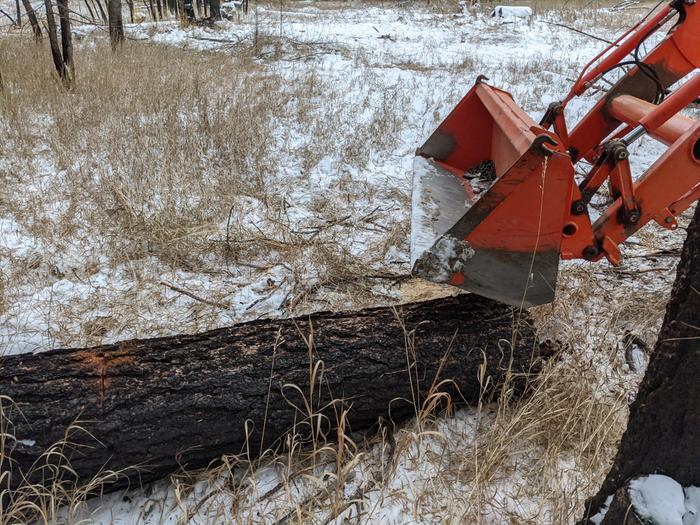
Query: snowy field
(262, 168)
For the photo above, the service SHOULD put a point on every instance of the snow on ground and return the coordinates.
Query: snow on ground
(658, 498)
(413, 63)
(424, 61)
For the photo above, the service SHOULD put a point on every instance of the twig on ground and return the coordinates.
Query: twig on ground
(635, 272)
(194, 296)
(218, 40)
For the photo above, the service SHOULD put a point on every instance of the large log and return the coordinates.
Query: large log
(185, 400)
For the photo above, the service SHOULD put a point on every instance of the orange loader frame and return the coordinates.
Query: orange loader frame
(672, 183)
(536, 212)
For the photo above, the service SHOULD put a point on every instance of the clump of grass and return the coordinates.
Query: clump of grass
(50, 490)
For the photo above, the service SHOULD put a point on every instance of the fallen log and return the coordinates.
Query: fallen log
(186, 400)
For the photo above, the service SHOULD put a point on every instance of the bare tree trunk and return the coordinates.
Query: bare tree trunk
(160, 9)
(53, 39)
(116, 25)
(66, 44)
(92, 13)
(180, 6)
(662, 434)
(103, 14)
(215, 9)
(19, 14)
(188, 10)
(130, 3)
(32, 20)
(104, 10)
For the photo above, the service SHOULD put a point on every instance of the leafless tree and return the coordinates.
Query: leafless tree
(19, 14)
(92, 13)
(103, 13)
(63, 55)
(66, 38)
(31, 16)
(150, 6)
(116, 25)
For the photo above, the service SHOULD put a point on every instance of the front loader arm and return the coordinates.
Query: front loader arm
(670, 185)
(672, 59)
(496, 202)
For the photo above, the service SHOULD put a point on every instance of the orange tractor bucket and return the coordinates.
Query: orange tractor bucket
(488, 211)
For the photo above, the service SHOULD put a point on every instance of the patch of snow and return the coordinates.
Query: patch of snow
(658, 498)
(511, 11)
(638, 359)
(600, 515)
(692, 506)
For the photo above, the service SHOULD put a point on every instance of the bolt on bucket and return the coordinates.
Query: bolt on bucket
(490, 195)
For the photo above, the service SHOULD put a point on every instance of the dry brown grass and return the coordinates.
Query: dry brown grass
(165, 160)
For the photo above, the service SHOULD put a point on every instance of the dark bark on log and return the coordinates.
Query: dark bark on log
(621, 510)
(663, 433)
(189, 398)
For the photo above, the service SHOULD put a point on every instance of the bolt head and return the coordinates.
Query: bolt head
(590, 252)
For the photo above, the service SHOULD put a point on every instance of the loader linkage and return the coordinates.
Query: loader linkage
(502, 236)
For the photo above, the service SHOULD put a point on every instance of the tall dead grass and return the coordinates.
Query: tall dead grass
(167, 160)
(49, 491)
